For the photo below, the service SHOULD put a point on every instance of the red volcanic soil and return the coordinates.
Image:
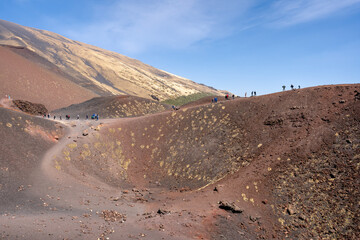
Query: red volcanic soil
(279, 166)
(112, 107)
(27, 79)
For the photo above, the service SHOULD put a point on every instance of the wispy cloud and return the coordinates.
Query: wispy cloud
(134, 26)
(138, 25)
(286, 13)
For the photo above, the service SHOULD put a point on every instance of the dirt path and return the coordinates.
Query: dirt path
(73, 209)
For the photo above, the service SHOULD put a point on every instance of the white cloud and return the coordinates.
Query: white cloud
(285, 12)
(134, 26)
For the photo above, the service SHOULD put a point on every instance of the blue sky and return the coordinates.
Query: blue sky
(239, 46)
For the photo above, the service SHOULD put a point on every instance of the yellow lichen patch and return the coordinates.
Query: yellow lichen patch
(260, 145)
(336, 134)
(126, 164)
(147, 146)
(72, 145)
(252, 200)
(112, 130)
(66, 153)
(142, 146)
(244, 197)
(223, 107)
(118, 142)
(247, 187)
(269, 169)
(67, 158)
(132, 134)
(85, 153)
(9, 125)
(152, 125)
(278, 158)
(161, 163)
(173, 114)
(282, 221)
(119, 129)
(57, 165)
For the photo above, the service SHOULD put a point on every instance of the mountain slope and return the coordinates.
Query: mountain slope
(103, 72)
(37, 81)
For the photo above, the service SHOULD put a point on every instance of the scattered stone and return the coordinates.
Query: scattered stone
(302, 217)
(162, 212)
(230, 207)
(184, 189)
(265, 201)
(254, 219)
(357, 95)
(85, 133)
(215, 189)
(273, 120)
(113, 216)
(155, 97)
(342, 101)
(291, 210)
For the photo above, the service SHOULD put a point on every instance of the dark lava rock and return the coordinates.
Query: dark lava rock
(230, 207)
(155, 97)
(31, 108)
(162, 212)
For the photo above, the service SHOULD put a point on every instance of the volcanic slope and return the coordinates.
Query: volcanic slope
(113, 107)
(289, 160)
(34, 79)
(23, 141)
(279, 166)
(100, 71)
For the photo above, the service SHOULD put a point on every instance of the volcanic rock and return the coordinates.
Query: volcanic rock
(230, 206)
(31, 108)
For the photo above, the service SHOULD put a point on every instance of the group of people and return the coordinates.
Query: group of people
(291, 86)
(94, 116)
(227, 97)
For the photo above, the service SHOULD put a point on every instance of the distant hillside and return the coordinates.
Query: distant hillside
(100, 71)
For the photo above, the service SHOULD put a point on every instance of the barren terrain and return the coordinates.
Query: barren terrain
(279, 166)
(99, 71)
